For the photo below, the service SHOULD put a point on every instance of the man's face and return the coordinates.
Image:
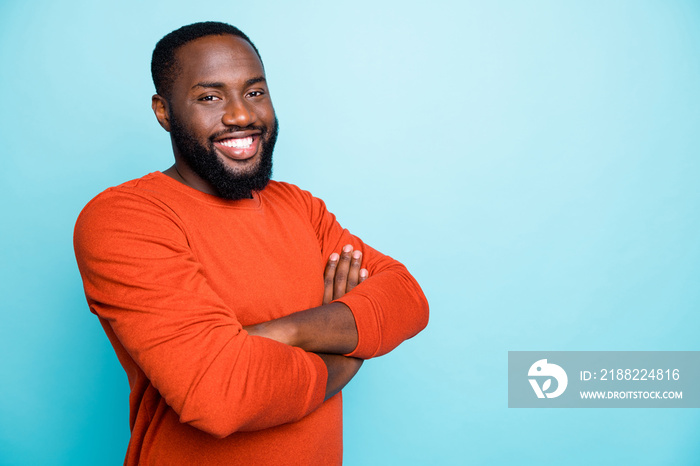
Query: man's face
(221, 120)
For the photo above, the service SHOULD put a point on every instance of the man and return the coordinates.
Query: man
(212, 283)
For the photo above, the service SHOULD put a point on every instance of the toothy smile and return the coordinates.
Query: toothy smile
(238, 143)
(239, 148)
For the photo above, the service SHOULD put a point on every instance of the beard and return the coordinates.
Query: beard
(204, 161)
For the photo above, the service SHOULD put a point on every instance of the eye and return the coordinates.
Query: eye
(255, 93)
(209, 98)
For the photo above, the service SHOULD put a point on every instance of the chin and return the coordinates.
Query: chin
(241, 167)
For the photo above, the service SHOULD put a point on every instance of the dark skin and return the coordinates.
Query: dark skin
(222, 97)
(221, 86)
(325, 330)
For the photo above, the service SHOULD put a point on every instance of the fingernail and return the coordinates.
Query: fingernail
(356, 254)
(364, 273)
(347, 248)
(334, 257)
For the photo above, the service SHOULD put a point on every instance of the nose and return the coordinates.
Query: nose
(238, 114)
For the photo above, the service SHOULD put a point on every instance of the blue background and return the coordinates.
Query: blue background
(534, 164)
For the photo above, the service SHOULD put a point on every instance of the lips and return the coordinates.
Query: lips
(239, 147)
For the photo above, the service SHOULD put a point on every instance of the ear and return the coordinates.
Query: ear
(162, 111)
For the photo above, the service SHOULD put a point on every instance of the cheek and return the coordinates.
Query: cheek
(206, 116)
(266, 113)
(205, 124)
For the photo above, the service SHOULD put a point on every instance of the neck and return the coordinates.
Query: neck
(180, 172)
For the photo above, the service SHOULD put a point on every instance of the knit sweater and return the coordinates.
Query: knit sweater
(174, 274)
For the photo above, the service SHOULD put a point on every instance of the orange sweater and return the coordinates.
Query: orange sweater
(173, 275)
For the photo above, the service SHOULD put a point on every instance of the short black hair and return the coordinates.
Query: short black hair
(164, 66)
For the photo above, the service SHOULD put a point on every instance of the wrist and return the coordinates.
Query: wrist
(282, 330)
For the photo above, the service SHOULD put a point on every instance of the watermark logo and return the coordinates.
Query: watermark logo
(603, 379)
(543, 369)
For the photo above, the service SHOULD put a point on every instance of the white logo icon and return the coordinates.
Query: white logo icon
(542, 369)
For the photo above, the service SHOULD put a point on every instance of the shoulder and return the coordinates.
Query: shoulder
(154, 188)
(284, 189)
(280, 193)
(289, 197)
(126, 204)
(290, 193)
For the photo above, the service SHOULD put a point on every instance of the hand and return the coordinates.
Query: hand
(329, 328)
(341, 370)
(343, 273)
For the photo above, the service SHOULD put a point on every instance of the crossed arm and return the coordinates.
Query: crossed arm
(173, 331)
(328, 330)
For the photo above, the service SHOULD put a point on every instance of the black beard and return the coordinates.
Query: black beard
(206, 164)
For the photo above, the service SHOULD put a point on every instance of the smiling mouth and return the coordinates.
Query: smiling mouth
(241, 148)
(238, 143)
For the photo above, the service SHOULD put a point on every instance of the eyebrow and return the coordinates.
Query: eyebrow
(218, 85)
(258, 79)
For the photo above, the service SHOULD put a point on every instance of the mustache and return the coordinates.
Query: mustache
(233, 129)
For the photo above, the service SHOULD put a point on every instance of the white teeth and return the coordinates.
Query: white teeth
(238, 143)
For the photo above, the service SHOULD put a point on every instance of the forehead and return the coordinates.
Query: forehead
(224, 58)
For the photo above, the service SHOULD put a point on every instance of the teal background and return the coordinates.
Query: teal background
(534, 164)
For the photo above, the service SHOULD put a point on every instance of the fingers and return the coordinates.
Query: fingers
(354, 272)
(329, 278)
(342, 272)
(364, 273)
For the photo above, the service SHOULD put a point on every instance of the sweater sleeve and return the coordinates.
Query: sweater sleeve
(141, 277)
(389, 306)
